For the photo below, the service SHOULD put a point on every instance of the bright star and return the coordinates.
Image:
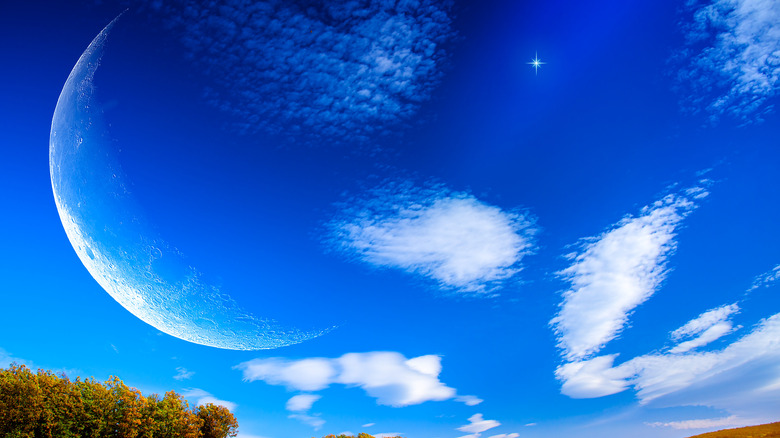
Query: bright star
(536, 63)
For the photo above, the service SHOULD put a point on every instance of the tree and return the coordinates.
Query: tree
(218, 422)
(45, 405)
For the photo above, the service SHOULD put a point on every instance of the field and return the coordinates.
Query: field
(771, 430)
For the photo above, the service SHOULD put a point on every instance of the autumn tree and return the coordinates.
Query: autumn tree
(45, 405)
(218, 422)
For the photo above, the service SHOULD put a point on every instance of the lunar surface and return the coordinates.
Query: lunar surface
(143, 273)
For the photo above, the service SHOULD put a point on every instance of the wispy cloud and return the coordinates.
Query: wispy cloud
(462, 243)
(767, 279)
(469, 400)
(312, 420)
(335, 70)
(708, 327)
(614, 273)
(477, 425)
(203, 397)
(505, 435)
(732, 57)
(706, 423)
(183, 374)
(6, 359)
(387, 376)
(301, 402)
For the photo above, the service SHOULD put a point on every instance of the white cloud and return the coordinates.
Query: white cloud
(477, 425)
(707, 327)
(505, 435)
(705, 321)
(368, 425)
(591, 378)
(387, 376)
(706, 423)
(301, 402)
(183, 374)
(452, 238)
(303, 375)
(203, 397)
(387, 434)
(613, 274)
(312, 420)
(742, 378)
(469, 400)
(733, 57)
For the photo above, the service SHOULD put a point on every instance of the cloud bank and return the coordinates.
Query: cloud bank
(732, 57)
(452, 238)
(387, 376)
(339, 71)
(614, 273)
(742, 377)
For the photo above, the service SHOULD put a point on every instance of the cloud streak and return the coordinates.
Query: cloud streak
(452, 238)
(732, 57)
(387, 376)
(614, 273)
(706, 423)
(336, 71)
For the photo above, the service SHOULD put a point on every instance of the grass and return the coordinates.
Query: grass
(771, 430)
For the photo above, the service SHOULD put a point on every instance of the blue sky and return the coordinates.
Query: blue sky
(470, 248)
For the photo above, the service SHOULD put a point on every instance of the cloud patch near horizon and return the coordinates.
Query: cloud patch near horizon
(338, 71)
(731, 58)
(389, 377)
(452, 238)
(742, 378)
(706, 423)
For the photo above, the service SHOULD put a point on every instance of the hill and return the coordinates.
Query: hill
(771, 430)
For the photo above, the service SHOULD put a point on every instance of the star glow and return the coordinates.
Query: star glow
(536, 63)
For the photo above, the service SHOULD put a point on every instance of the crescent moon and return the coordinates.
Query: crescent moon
(147, 276)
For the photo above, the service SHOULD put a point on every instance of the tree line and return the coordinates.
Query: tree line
(46, 405)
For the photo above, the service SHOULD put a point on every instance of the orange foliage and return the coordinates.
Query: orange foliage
(45, 405)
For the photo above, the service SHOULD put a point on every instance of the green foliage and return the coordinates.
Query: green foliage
(45, 405)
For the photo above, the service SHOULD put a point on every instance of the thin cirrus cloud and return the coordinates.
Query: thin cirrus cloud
(741, 378)
(299, 405)
(617, 271)
(338, 70)
(389, 377)
(452, 238)
(183, 374)
(766, 279)
(706, 328)
(706, 423)
(732, 57)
